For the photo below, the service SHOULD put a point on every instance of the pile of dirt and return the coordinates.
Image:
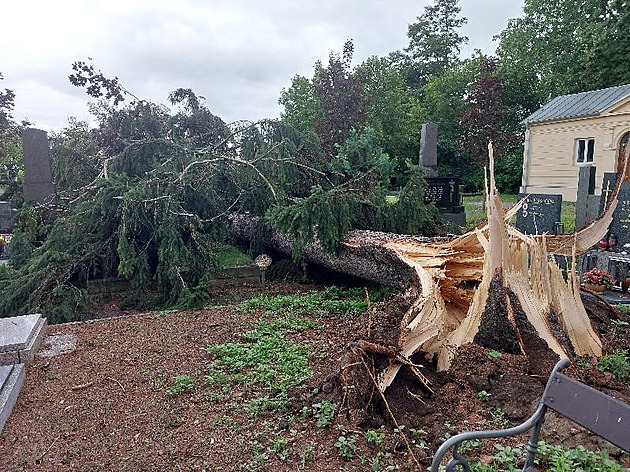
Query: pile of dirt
(484, 389)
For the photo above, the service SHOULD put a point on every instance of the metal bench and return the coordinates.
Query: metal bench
(596, 411)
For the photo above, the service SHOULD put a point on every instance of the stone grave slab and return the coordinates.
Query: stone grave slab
(608, 187)
(587, 203)
(540, 214)
(620, 225)
(20, 337)
(11, 381)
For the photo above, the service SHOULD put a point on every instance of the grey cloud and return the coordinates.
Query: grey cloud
(239, 54)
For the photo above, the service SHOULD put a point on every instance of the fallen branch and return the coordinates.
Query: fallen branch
(39, 459)
(82, 386)
(114, 380)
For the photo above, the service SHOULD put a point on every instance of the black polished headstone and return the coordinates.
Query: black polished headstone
(38, 185)
(620, 225)
(539, 214)
(608, 187)
(443, 191)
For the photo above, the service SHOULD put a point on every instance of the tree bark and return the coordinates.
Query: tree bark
(363, 254)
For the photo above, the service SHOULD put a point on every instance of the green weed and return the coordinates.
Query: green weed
(269, 361)
(499, 419)
(181, 384)
(324, 412)
(258, 460)
(257, 406)
(549, 458)
(172, 420)
(224, 420)
(484, 396)
(619, 327)
(288, 322)
(616, 363)
(308, 454)
(347, 446)
(280, 448)
(375, 437)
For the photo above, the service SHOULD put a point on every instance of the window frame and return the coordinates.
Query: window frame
(585, 152)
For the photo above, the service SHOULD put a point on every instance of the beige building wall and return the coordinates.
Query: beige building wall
(549, 161)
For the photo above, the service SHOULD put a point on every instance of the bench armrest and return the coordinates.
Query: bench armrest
(534, 422)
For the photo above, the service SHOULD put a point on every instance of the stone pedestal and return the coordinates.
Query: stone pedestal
(20, 337)
(11, 381)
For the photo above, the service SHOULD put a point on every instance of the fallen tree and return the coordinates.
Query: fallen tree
(493, 286)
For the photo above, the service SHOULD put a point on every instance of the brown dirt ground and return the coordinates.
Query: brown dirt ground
(104, 406)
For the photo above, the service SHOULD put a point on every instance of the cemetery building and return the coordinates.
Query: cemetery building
(587, 129)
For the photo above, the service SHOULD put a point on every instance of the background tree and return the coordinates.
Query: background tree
(394, 114)
(485, 116)
(544, 52)
(11, 165)
(301, 104)
(341, 95)
(434, 42)
(607, 61)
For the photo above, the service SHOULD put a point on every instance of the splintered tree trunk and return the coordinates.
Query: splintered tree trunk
(493, 286)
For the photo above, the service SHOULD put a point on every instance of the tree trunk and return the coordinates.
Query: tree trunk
(363, 253)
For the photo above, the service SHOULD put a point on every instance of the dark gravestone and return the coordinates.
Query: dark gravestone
(6, 215)
(587, 203)
(38, 184)
(620, 225)
(428, 149)
(539, 214)
(444, 192)
(608, 187)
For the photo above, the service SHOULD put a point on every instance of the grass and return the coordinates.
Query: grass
(231, 256)
(474, 206)
(331, 300)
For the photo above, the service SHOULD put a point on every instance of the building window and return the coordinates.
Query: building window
(584, 149)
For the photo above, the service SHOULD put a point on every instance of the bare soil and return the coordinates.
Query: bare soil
(104, 406)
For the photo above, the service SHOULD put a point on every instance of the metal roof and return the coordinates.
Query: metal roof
(579, 105)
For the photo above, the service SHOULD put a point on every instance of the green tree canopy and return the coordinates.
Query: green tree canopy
(608, 59)
(544, 53)
(434, 41)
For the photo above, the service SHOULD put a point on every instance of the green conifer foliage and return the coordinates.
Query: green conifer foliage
(153, 191)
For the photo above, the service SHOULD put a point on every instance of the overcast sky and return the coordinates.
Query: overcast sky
(238, 54)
